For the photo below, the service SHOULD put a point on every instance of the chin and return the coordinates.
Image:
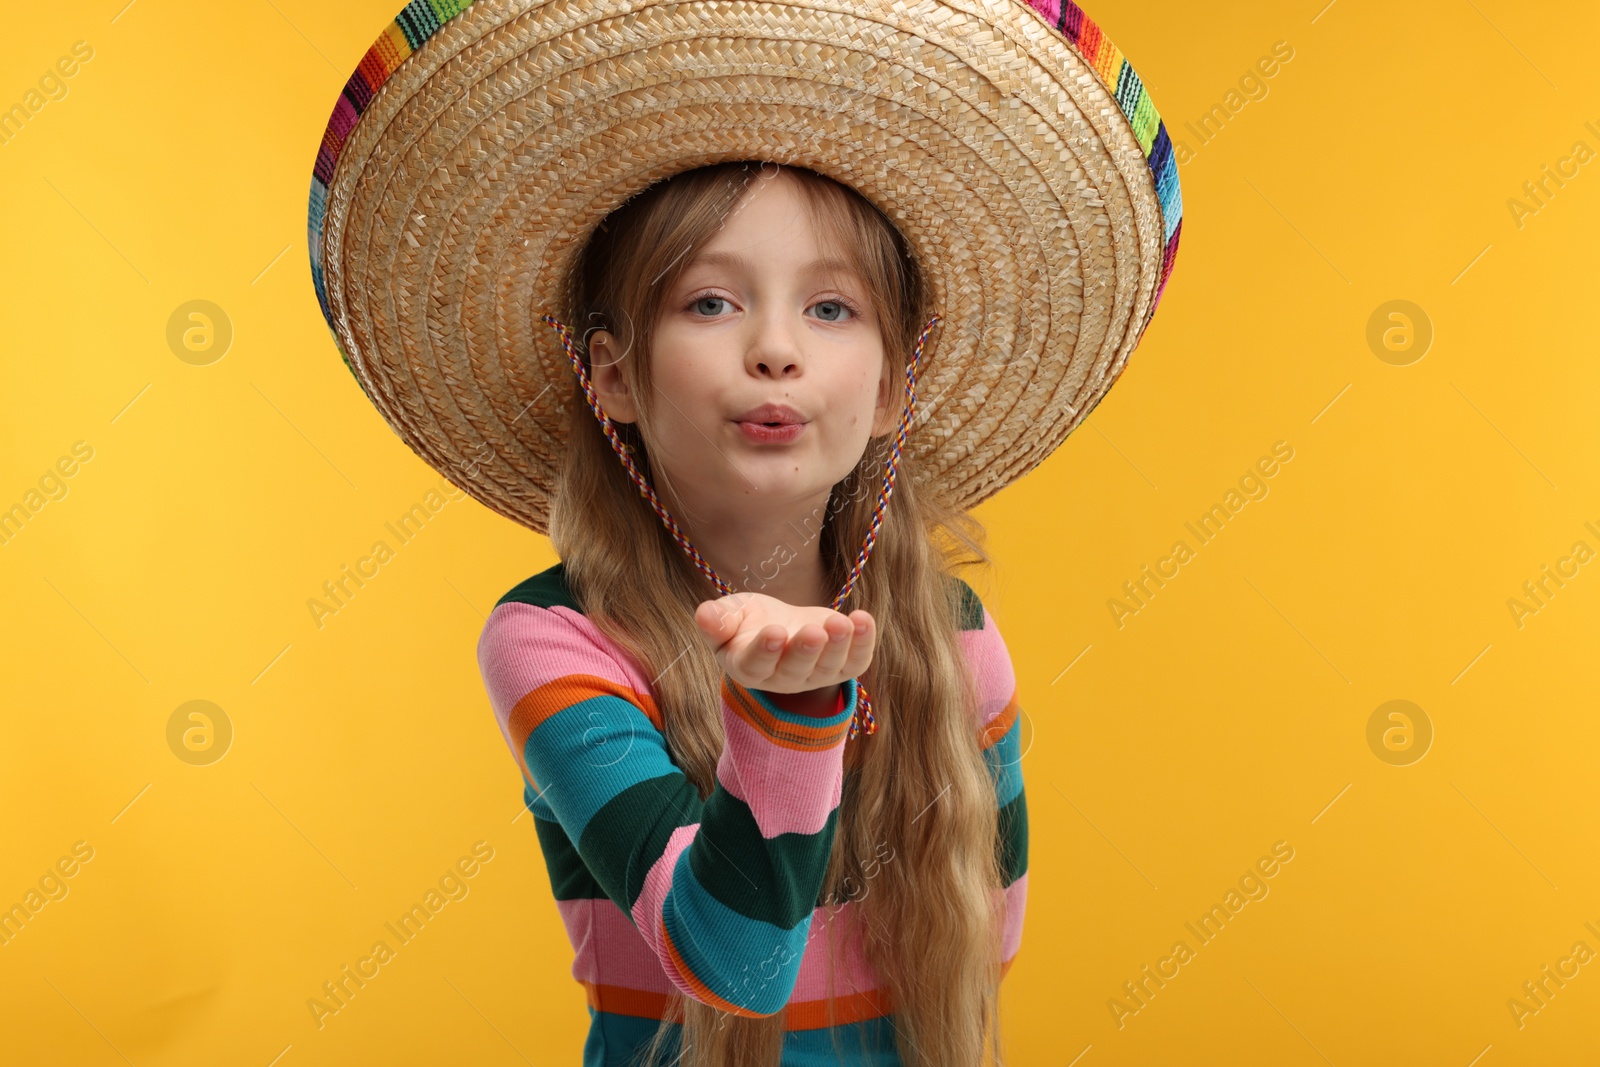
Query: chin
(777, 482)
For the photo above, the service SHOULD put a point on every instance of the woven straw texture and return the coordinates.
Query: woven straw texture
(478, 144)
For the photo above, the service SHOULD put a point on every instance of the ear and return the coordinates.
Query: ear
(891, 402)
(610, 384)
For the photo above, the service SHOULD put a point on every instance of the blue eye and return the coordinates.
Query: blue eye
(842, 310)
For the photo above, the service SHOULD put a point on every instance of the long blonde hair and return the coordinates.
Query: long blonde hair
(918, 818)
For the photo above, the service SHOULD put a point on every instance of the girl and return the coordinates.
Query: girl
(723, 858)
(776, 787)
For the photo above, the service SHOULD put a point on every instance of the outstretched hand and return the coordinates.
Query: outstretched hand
(762, 642)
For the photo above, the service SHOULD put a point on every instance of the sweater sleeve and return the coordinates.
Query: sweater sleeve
(722, 890)
(1000, 737)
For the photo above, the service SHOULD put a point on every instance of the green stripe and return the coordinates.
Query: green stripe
(1013, 839)
(448, 9)
(417, 22)
(547, 589)
(969, 609)
(569, 877)
(630, 832)
(773, 879)
(769, 879)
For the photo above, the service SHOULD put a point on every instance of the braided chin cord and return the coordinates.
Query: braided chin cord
(863, 721)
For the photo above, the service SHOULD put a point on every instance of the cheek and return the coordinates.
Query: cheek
(858, 407)
(684, 412)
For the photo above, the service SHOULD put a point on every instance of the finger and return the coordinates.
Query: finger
(840, 631)
(760, 655)
(726, 615)
(799, 661)
(718, 620)
(862, 643)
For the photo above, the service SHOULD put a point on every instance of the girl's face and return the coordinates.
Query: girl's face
(760, 319)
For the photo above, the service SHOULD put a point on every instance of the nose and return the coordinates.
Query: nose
(774, 349)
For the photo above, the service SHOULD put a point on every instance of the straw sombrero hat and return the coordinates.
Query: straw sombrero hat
(478, 144)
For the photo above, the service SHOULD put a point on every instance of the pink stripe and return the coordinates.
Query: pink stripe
(341, 121)
(854, 973)
(991, 665)
(608, 949)
(523, 647)
(1016, 906)
(779, 785)
(1050, 9)
(647, 908)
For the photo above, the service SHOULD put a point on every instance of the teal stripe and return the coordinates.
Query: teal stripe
(745, 961)
(869, 1043)
(1004, 759)
(619, 1040)
(535, 802)
(840, 718)
(614, 1040)
(418, 22)
(1176, 200)
(590, 751)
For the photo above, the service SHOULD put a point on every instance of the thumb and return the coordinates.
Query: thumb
(719, 619)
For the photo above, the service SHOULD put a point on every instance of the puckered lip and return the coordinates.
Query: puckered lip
(779, 413)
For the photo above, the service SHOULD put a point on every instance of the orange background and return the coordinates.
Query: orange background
(1170, 747)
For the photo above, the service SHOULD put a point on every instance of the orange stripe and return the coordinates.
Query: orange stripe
(393, 46)
(797, 1015)
(700, 987)
(1000, 723)
(780, 732)
(1091, 42)
(620, 1000)
(813, 1014)
(539, 704)
(375, 68)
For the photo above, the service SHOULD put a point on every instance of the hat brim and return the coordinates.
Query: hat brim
(1029, 174)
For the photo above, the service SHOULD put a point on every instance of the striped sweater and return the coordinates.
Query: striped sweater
(717, 899)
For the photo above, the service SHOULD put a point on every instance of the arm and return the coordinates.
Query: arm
(721, 890)
(1000, 736)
